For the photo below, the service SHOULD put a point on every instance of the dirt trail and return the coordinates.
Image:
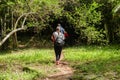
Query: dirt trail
(64, 73)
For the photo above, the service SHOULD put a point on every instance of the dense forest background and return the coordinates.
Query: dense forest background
(25, 23)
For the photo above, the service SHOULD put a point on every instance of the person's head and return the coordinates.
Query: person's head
(59, 24)
(57, 28)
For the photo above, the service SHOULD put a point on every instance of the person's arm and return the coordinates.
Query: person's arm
(63, 36)
(52, 38)
(66, 34)
(62, 29)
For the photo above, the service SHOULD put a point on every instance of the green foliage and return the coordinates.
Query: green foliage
(116, 9)
(93, 35)
(86, 19)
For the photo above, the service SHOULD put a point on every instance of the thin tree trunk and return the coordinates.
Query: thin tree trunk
(15, 41)
(14, 36)
(19, 29)
(111, 32)
(107, 32)
(15, 27)
(0, 29)
(4, 31)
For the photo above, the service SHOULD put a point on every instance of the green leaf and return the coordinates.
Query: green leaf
(116, 9)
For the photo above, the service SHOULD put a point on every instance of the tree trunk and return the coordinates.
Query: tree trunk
(4, 31)
(11, 33)
(15, 42)
(0, 29)
(15, 29)
(111, 32)
(14, 36)
(107, 32)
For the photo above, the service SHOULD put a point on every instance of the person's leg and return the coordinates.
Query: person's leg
(56, 53)
(56, 49)
(62, 55)
(59, 52)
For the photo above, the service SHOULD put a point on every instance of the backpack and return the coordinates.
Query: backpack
(59, 40)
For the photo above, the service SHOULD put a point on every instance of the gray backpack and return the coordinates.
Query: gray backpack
(59, 40)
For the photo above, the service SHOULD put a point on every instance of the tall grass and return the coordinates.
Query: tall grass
(95, 60)
(29, 55)
(28, 64)
(89, 53)
(16, 61)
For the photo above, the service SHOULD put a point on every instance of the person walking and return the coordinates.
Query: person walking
(58, 39)
(62, 30)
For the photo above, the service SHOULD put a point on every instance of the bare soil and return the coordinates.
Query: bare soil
(64, 72)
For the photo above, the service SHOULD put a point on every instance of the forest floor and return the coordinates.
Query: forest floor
(64, 72)
(79, 63)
